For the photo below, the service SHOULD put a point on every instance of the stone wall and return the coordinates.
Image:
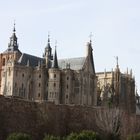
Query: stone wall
(36, 119)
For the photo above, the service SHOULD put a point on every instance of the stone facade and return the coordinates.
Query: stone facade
(63, 81)
(117, 89)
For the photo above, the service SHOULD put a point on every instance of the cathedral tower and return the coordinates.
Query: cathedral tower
(54, 81)
(12, 54)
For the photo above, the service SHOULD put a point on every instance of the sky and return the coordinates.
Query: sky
(115, 27)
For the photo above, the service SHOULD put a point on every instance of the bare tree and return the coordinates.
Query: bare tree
(108, 121)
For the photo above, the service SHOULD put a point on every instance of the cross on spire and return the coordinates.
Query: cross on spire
(48, 37)
(14, 29)
(90, 36)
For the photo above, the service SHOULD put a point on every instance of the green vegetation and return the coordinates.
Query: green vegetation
(19, 136)
(84, 135)
(50, 137)
(134, 137)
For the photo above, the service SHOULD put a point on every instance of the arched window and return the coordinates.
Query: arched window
(22, 86)
(3, 61)
(38, 94)
(39, 84)
(54, 84)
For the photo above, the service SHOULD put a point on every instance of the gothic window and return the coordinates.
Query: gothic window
(3, 62)
(39, 84)
(15, 84)
(54, 84)
(54, 75)
(67, 86)
(22, 74)
(67, 78)
(38, 94)
(39, 75)
(66, 96)
(9, 71)
(22, 86)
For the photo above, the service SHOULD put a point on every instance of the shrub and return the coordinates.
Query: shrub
(84, 135)
(18, 136)
(134, 137)
(50, 137)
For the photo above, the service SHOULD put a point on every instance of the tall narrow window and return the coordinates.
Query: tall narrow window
(9, 71)
(39, 84)
(38, 94)
(54, 84)
(3, 62)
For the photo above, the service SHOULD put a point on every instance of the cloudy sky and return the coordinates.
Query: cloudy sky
(115, 25)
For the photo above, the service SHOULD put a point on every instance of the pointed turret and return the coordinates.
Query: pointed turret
(55, 61)
(48, 50)
(117, 65)
(48, 54)
(90, 56)
(13, 45)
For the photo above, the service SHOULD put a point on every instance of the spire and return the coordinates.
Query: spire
(14, 29)
(89, 45)
(90, 36)
(89, 56)
(117, 64)
(48, 50)
(131, 73)
(48, 45)
(55, 61)
(13, 45)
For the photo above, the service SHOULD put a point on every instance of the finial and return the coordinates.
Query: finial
(48, 37)
(117, 60)
(127, 71)
(14, 29)
(117, 63)
(131, 74)
(90, 37)
(55, 44)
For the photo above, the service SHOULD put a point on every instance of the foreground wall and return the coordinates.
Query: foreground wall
(17, 115)
(36, 119)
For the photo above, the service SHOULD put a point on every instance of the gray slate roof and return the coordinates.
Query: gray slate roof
(33, 60)
(75, 63)
(11, 50)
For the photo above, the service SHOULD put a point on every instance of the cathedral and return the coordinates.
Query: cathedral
(63, 81)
